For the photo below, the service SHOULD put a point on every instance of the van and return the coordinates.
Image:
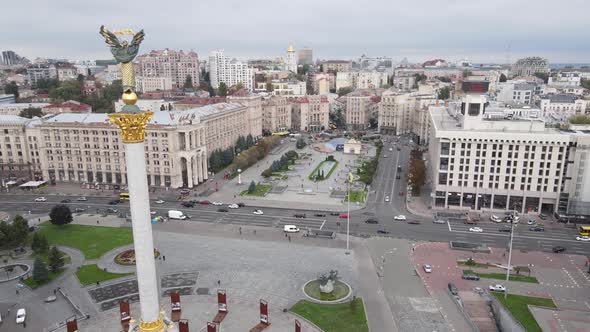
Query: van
(174, 214)
(291, 229)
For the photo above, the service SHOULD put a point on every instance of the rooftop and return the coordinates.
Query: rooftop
(12, 120)
(561, 98)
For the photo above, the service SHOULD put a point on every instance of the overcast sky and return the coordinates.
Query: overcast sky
(481, 31)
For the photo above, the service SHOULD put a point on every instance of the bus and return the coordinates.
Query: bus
(584, 230)
(124, 196)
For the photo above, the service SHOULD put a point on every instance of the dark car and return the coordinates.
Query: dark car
(506, 229)
(382, 231)
(187, 204)
(398, 148)
(205, 202)
(299, 215)
(414, 222)
(453, 289)
(111, 210)
(536, 229)
(470, 277)
(222, 210)
(241, 204)
(319, 214)
(542, 216)
(66, 200)
(371, 221)
(558, 249)
(114, 202)
(334, 213)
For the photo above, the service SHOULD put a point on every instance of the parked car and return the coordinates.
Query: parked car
(40, 199)
(476, 229)
(21, 315)
(258, 212)
(531, 222)
(334, 213)
(205, 202)
(470, 277)
(290, 229)
(542, 216)
(217, 203)
(222, 210)
(241, 205)
(371, 221)
(299, 215)
(66, 200)
(537, 229)
(82, 199)
(497, 288)
(439, 221)
(319, 214)
(399, 217)
(398, 148)
(188, 204)
(111, 210)
(384, 156)
(382, 231)
(558, 249)
(398, 177)
(453, 289)
(427, 268)
(233, 206)
(495, 218)
(387, 198)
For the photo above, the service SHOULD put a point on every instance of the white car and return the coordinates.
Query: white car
(400, 217)
(40, 199)
(390, 149)
(583, 238)
(531, 222)
(233, 206)
(497, 288)
(159, 201)
(439, 221)
(82, 199)
(21, 314)
(258, 212)
(427, 268)
(495, 218)
(217, 203)
(476, 229)
(387, 198)
(153, 213)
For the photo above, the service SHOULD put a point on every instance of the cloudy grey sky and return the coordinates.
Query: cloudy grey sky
(417, 29)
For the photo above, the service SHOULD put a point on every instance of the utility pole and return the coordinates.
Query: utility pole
(509, 259)
(348, 214)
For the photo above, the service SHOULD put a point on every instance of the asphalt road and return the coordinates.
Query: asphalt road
(384, 185)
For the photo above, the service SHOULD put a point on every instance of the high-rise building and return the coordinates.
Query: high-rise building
(403, 112)
(176, 65)
(10, 58)
(291, 63)
(305, 56)
(529, 66)
(230, 72)
(40, 72)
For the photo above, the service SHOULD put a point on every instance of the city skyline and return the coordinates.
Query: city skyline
(479, 33)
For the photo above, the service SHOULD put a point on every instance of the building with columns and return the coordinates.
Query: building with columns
(253, 104)
(276, 114)
(86, 148)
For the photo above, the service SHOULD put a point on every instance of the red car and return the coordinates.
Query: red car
(205, 202)
(343, 216)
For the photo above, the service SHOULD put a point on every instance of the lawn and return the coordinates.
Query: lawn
(33, 284)
(312, 175)
(313, 289)
(45, 257)
(261, 190)
(342, 317)
(92, 241)
(475, 264)
(502, 276)
(517, 305)
(357, 196)
(90, 274)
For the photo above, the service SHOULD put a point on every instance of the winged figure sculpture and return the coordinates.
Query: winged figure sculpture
(122, 50)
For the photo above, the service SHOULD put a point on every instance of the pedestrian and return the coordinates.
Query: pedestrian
(218, 283)
(240, 230)
(17, 292)
(98, 283)
(285, 234)
(163, 258)
(289, 238)
(54, 291)
(97, 222)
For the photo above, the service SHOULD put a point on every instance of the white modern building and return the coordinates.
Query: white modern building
(361, 79)
(40, 72)
(560, 107)
(514, 92)
(565, 79)
(149, 84)
(231, 72)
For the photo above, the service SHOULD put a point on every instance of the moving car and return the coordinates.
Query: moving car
(233, 206)
(398, 177)
(319, 214)
(79, 210)
(497, 288)
(187, 204)
(583, 238)
(495, 218)
(558, 249)
(470, 277)
(427, 268)
(439, 221)
(205, 202)
(299, 215)
(476, 229)
(258, 212)
(82, 199)
(334, 213)
(506, 229)
(160, 201)
(241, 205)
(414, 222)
(114, 202)
(371, 221)
(175, 214)
(291, 229)
(390, 149)
(384, 156)
(537, 229)
(111, 210)
(40, 199)
(382, 231)
(398, 148)
(542, 216)
(66, 200)
(21, 315)
(453, 289)
(217, 203)
(153, 213)
(399, 217)
(387, 198)
(343, 216)
(222, 210)
(531, 222)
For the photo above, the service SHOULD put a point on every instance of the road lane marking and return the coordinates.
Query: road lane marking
(322, 226)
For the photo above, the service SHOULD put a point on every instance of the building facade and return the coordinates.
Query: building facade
(529, 66)
(66, 71)
(174, 65)
(40, 72)
(360, 79)
(305, 56)
(359, 107)
(405, 112)
(310, 113)
(253, 118)
(560, 107)
(230, 72)
(276, 114)
(333, 66)
(291, 62)
(148, 84)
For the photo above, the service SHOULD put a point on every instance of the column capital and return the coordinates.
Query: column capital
(132, 125)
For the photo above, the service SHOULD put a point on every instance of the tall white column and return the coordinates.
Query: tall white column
(204, 166)
(142, 233)
(200, 167)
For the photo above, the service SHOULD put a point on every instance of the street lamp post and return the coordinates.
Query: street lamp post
(509, 259)
(348, 214)
(239, 176)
